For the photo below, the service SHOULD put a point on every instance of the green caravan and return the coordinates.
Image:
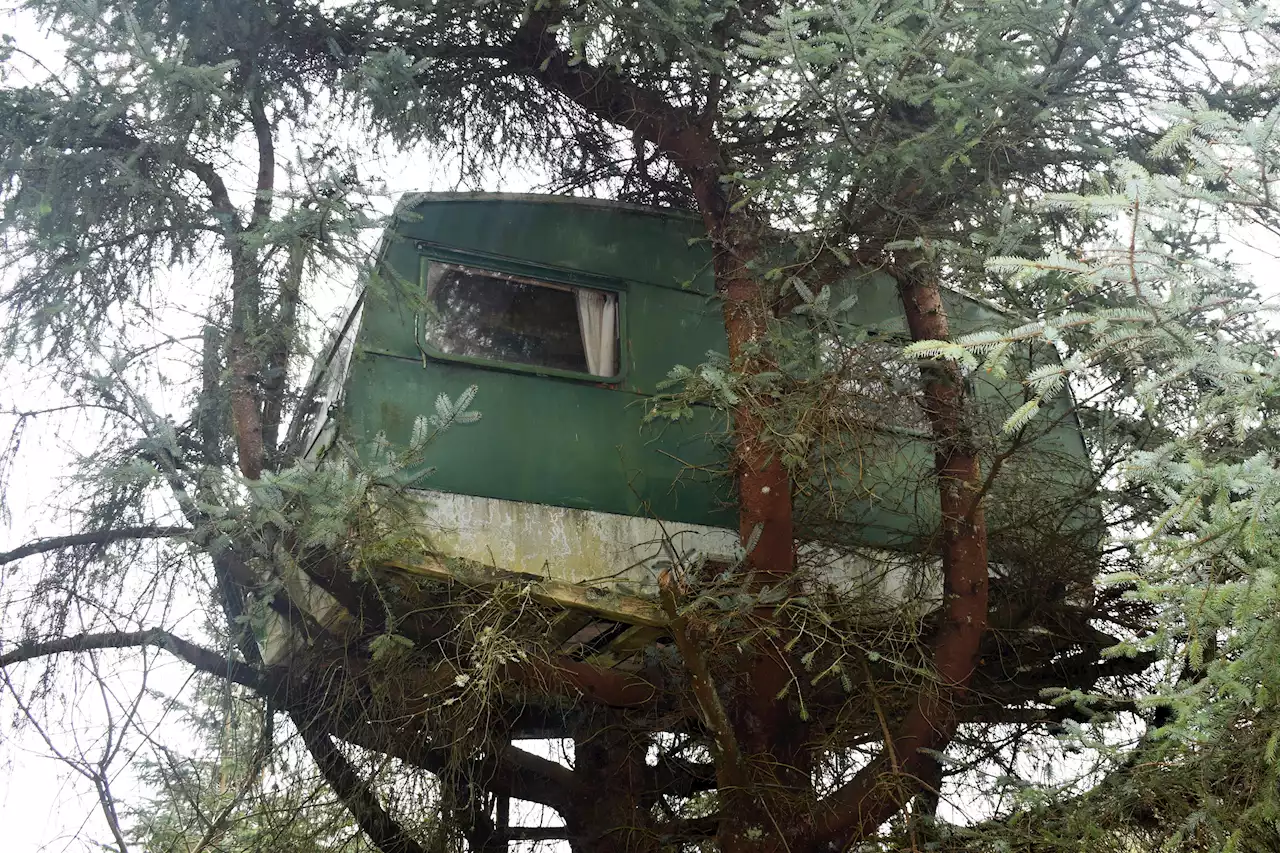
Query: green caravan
(568, 314)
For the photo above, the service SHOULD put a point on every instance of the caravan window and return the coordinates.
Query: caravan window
(482, 314)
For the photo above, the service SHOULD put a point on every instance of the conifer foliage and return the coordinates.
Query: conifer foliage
(180, 180)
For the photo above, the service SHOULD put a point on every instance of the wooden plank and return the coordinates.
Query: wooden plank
(636, 638)
(601, 640)
(627, 609)
(591, 636)
(566, 625)
(626, 645)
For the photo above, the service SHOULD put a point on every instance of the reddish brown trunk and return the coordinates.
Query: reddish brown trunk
(764, 487)
(770, 734)
(246, 418)
(765, 818)
(857, 809)
(771, 737)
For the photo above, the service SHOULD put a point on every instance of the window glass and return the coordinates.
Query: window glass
(506, 318)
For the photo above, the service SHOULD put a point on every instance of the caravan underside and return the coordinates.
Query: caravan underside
(603, 570)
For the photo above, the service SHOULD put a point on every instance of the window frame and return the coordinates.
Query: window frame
(528, 273)
(331, 372)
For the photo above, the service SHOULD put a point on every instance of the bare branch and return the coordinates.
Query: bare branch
(383, 829)
(220, 822)
(201, 658)
(93, 537)
(731, 770)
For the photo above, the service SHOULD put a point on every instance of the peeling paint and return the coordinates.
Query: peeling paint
(569, 544)
(603, 548)
(623, 552)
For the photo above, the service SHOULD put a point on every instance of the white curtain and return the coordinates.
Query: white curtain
(598, 318)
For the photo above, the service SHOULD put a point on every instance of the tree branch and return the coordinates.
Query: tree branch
(266, 157)
(675, 132)
(537, 833)
(118, 137)
(521, 773)
(93, 537)
(218, 195)
(199, 657)
(222, 820)
(284, 325)
(730, 764)
(682, 777)
(383, 830)
(511, 772)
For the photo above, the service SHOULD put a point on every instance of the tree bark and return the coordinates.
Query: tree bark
(881, 789)
(764, 487)
(771, 735)
(609, 815)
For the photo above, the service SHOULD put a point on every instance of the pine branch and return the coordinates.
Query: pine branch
(246, 415)
(117, 138)
(94, 537)
(257, 762)
(675, 132)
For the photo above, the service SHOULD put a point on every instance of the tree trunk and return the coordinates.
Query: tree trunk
(906, 765)
(770, 733)
(609, 814)
(764, 487)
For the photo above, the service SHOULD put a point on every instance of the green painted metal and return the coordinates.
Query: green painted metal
(567, 440)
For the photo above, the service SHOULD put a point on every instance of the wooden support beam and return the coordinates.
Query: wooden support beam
(567, 625)
(628, 609)
(637, 637)
(626, 645)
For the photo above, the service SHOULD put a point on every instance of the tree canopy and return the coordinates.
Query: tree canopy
(183, 182)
